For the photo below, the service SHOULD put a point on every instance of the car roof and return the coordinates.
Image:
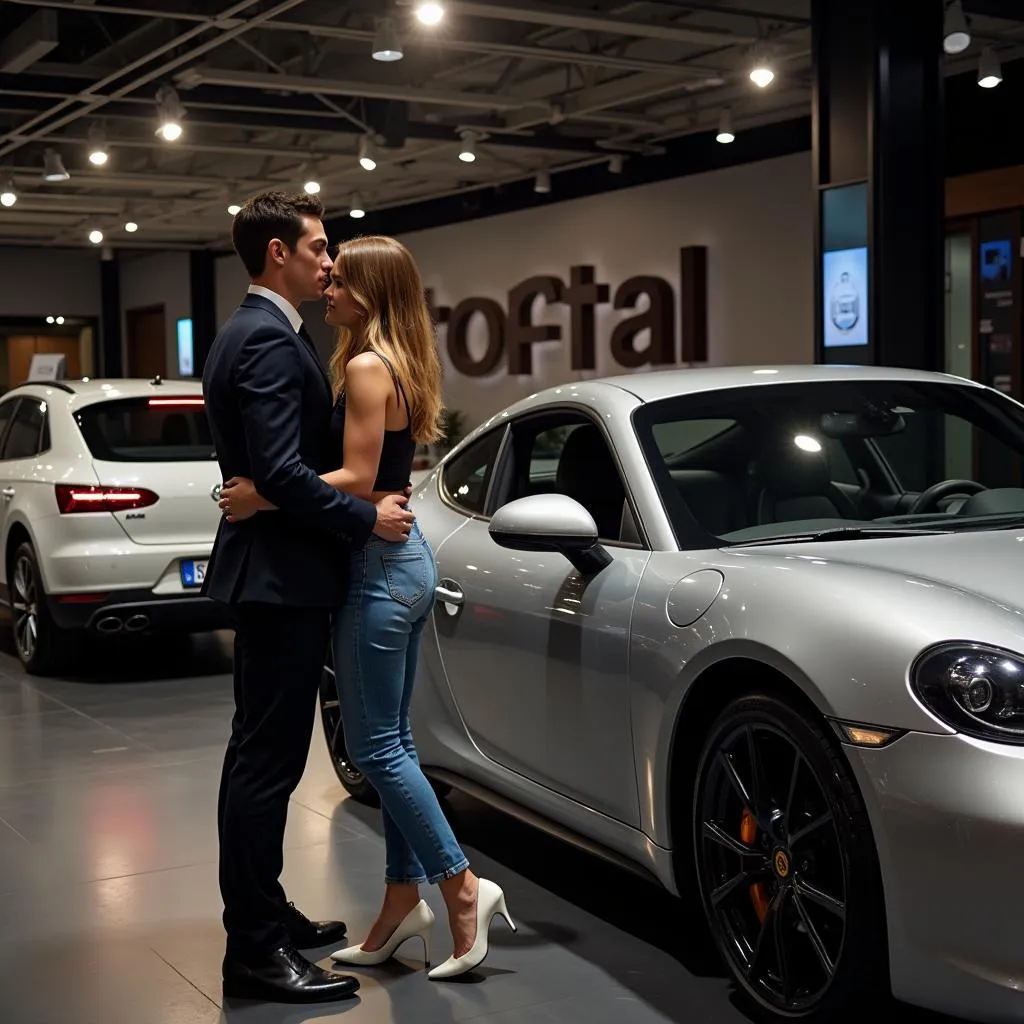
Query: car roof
(653, 386)
(90, 390)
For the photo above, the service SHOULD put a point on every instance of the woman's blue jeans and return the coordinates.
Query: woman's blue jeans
(376, 641)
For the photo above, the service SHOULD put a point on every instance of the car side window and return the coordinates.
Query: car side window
(24, 439)
(6, 413)
(567, 454)
(466, 478)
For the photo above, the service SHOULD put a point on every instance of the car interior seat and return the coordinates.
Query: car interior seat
(587, 473)
(797, 484)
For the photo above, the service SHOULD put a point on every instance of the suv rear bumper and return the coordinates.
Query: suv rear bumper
(138, 611)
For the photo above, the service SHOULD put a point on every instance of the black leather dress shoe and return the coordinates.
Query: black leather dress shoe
(306, 934)
(285, 976)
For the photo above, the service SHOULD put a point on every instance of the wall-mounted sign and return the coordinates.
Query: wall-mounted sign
(511, 333)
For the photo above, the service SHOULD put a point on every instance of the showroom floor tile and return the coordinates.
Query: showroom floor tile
(109, 908)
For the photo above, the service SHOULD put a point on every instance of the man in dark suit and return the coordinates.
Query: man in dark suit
(280, 573)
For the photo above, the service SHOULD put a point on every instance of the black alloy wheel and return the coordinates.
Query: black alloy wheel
(353, 780)
(41, 644)
(786, 866)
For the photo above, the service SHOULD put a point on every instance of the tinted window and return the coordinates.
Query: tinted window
(6, 412)
(814, 455)
(467, 477)
(566, 453)
(147, 430)
(26, 434)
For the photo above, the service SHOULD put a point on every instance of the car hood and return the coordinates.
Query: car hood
(985, 563)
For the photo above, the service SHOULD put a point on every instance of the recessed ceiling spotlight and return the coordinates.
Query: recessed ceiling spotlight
(95, 236)
(233, 209)
(60, 320)
(131, 227)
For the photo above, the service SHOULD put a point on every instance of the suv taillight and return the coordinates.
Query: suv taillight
(74, 498)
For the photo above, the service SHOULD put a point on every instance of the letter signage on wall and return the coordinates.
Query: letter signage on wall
(511, 333)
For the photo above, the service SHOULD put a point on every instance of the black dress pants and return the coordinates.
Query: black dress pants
(279, 657)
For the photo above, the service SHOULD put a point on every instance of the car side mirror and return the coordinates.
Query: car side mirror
(551, 522)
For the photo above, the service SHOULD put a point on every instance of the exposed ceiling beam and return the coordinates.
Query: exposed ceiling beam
(153, 74)
(364, 36)
(572, 18)
(30, 41)
(307, 86)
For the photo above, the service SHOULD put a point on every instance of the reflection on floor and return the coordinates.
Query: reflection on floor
(109, 909)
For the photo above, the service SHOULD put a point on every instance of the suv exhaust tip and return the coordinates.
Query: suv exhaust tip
(109, 624)
(136, 623)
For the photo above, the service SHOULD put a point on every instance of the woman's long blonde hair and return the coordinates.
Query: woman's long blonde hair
(381, 275)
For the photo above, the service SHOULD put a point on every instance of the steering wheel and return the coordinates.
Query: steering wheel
(928, 500)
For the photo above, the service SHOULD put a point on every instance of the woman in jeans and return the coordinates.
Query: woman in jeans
(387, 380)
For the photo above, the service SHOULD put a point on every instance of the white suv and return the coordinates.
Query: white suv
(109, 510)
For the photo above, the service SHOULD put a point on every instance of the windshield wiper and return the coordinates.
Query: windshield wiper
(841, 533)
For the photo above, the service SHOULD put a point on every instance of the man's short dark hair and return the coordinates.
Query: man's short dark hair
(270, 215)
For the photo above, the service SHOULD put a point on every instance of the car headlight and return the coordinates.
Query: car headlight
(977, 690)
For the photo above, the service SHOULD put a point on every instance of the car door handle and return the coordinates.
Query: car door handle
(8, 493)
(448, 592)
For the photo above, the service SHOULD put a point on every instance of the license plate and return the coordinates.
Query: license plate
(193, 573)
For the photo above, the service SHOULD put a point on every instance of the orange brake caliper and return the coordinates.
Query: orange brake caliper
(758, 895)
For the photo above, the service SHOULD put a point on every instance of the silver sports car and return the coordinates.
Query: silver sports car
(759, 634)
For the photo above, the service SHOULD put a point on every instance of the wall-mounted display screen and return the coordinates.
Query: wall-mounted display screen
(845, 297)
(186, 360)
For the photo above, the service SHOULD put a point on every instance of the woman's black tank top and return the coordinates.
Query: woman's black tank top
(396, 455)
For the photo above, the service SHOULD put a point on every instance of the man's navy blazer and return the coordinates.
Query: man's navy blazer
(269, 404)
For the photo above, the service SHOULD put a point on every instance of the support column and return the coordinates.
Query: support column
(203, 286)
(877, 151)
(110, 360)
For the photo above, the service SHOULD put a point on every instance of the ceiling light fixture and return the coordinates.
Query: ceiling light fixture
(170, 113)
(312, 186)
(95, 236)
(60, 320)
(53, 167)
(8, 193)
(543, 182)
(367, 153)
(429, 13)
(357, 209)
(234, 208)
(98, 155)
(725, 133)
(131, 227)
(467, 154)
(956, 37)
(990, 72)
(761, 75)
(616, 163)
(49, 319)
(386, 44)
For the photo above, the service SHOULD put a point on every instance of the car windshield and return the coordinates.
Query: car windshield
(147, 430)
(846, 458)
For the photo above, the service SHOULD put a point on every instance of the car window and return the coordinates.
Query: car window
(24, 439)
(6, 412)
(147, 430)
(566, 453)
(467, 476)
(816, 455)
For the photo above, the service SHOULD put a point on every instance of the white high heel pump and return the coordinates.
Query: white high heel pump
(490, 901)
(418, 923)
